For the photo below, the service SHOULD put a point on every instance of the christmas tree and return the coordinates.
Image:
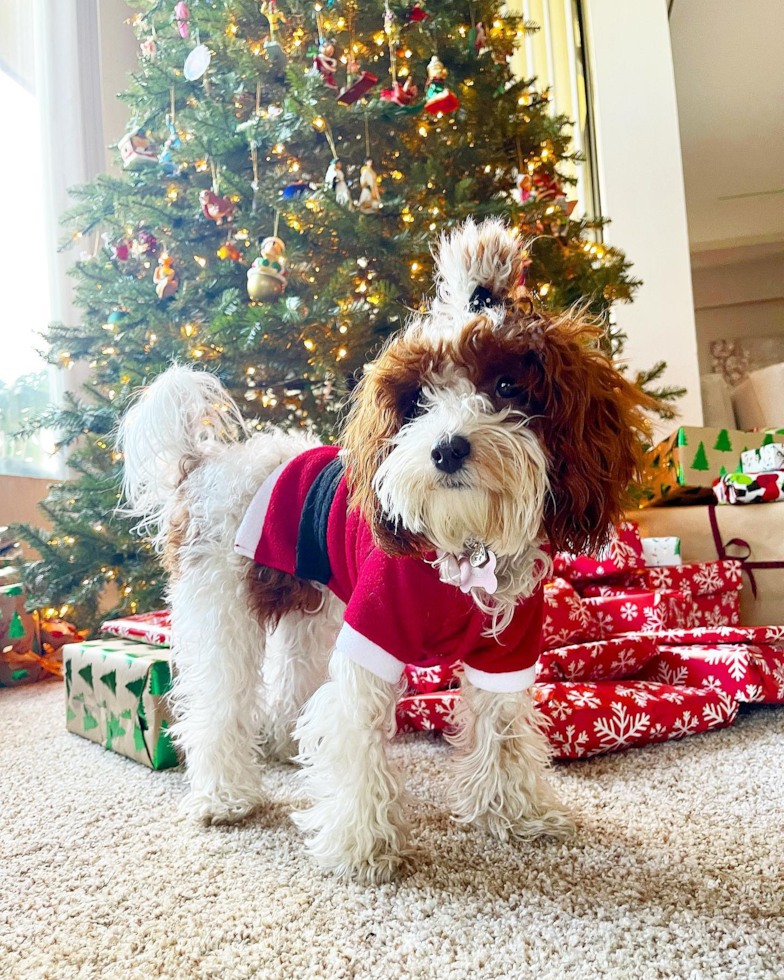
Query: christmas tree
(287, 169)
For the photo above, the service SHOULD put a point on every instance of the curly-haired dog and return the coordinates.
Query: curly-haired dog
(483, 432)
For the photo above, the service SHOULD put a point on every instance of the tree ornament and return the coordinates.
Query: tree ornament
(173, 142)
(229, 251)
(438, 97)
(267, 275)
(182, 15)
(402, 95)
(137, 150)
(116, 316)
(335, 180)
(197, 62)
(269, 8)
(144, 243)
(121, 250)
(354, 91)
(276, 55)
(148, 48)
(370, 198)
(417, 13)
(325, 62)
(216, 208)
(477, 38)
(165, 278)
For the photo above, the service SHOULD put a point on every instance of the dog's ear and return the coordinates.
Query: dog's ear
(590, 420)
(378, 407)
(478, 269)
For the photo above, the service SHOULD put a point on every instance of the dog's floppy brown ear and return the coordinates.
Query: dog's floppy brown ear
(378, 406)
(591, 422)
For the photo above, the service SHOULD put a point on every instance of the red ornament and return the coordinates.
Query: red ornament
(352, 93)
(417, 14)
(401, 95)
(216, 208)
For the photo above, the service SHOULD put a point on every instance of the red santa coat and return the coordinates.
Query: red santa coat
(398, 610)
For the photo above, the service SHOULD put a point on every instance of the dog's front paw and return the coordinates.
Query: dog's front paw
(213, 808)
(370, 856)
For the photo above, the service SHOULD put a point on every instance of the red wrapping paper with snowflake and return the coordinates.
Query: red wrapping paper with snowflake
(613, 659)
(605, 716)
(584, 719)
(622, 554)
(747, 672)
(634, 612)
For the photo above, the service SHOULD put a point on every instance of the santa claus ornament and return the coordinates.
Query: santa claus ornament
(438, 97)
(325, 62)
(267, 275)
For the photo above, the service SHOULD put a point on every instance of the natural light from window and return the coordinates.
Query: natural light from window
(24, 302)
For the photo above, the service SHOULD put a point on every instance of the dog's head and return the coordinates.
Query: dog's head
(487, 420)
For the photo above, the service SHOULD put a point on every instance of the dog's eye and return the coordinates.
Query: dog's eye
(409, 405)
(507, 388)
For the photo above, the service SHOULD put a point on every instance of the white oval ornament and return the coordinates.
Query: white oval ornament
(197, 62)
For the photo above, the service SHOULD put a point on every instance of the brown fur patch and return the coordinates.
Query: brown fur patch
(274, 593)
(176, 539)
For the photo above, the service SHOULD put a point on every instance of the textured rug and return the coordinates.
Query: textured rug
(676, 871)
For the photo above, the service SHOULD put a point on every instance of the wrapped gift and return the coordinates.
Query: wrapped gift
(763, 460)
(662, 552)
(747, 672)
(426, 712)
(116, 696)
(590, 719)
(699, 577)
(716, 609)
(721, 634)
(754, 535)
(622, 554)
(613, 659)
(587, 719)
(425, 680)
(634, 612)
(567, 619)
(685, 466)
(750, 488)
(20, 668)
(151, 627)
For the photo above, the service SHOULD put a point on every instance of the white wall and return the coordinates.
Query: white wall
(738, 293)
(641, 180)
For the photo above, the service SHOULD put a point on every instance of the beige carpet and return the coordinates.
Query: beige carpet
(676, 872)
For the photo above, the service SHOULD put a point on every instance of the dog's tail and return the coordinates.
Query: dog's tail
(182, 418)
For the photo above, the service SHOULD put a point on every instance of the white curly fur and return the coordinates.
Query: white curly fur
(499, 775)
(472, 255)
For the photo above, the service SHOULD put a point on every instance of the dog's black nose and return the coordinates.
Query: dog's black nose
(448, 455)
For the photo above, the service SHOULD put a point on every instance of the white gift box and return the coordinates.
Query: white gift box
(662, 552)
(766, 459)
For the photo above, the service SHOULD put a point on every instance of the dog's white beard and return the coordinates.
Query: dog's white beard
(500, 500)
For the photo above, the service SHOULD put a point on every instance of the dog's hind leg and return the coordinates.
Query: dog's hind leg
(500, 773)
(355, 827)
(295, 666)
(217, 645)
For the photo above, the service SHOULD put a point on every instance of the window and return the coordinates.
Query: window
(26, 381)
(555, 55)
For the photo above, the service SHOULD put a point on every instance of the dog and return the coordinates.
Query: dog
(303, 578)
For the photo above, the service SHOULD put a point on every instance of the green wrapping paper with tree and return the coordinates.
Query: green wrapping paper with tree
(116, 695)
(684, 467)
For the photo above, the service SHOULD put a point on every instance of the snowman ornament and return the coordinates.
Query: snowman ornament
(267, 275)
